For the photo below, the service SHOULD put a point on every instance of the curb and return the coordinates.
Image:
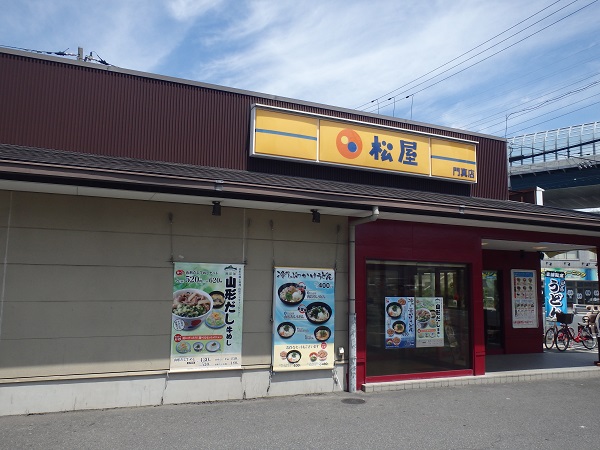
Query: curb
(514, 376)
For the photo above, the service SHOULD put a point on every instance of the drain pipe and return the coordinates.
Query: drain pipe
(352, 295)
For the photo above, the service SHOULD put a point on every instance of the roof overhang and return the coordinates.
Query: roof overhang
(50, 171)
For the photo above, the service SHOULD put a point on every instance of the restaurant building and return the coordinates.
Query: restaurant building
(168, 241)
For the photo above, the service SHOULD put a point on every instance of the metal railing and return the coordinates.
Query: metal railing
(574, 146)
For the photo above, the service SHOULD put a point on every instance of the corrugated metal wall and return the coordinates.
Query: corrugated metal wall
(50, 104)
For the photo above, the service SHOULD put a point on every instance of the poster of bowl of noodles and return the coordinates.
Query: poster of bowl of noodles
(190, 308)
(303, 318)
(291, 293)
(318, 312)
(322, 333)
(286, 330)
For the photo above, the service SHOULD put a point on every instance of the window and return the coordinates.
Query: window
(417, 318)
(582, 292)
(572, 255)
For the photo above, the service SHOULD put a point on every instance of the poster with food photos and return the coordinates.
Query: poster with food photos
(303, 319)
(429, 321)
(399, 322)
(524, 299)
(206, 317)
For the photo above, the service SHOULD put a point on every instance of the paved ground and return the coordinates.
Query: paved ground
(542, 414)
(577, 356)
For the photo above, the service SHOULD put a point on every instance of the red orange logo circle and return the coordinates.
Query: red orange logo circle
(348, 143)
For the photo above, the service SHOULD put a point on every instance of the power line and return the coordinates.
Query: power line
(552, 118)
(541, 115)
(465, 53)
(548, 101)
(493, 54)
(498, 43)
(498, 93)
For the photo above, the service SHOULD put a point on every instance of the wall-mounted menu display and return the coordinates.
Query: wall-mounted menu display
(414, 322)
(206, 317)
(524, 299)
(400, 322)
(303, 319)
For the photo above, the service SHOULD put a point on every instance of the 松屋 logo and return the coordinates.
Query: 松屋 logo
(348, 143)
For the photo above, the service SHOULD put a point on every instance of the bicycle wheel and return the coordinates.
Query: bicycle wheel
(549, 338)
(587, 338)
(562, 340)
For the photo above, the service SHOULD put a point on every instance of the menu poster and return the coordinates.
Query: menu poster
(429, 321)
(206, 317)
(400, 322)
(303, 319)
(524, 299)
(554, 292)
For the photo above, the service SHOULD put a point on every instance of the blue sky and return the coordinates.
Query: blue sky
(350, 53)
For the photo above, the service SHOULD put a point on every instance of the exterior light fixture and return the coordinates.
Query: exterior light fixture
(219, 185)
(216, 209)
(461, 209)
(316, 215)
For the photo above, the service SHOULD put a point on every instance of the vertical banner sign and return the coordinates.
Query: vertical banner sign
(206, 317)
(429, 321)
(524, 299)
(554, 293)
(303, 319)
(400, 322)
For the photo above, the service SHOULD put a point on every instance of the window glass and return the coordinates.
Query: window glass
(571, 255)
(417, 318)
(582, 293)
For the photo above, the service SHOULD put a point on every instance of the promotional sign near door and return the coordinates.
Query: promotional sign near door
(524, 299)
(554, 293)
(400, 322)
(413, 322)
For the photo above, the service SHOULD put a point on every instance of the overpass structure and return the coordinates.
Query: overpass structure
(561, 168)
(564, 162)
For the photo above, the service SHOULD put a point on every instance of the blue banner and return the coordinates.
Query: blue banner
(554, 293)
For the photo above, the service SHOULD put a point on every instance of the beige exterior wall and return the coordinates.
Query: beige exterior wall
(87, 280)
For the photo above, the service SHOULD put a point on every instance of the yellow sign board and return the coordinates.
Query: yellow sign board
(325, 140)
(286, 135)
(372, 148)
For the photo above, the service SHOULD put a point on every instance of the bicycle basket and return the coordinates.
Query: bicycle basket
(566, 318)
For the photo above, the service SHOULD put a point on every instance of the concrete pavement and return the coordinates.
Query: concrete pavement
(548, 414)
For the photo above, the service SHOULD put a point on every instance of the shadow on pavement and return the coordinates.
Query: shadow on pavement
(577, 356)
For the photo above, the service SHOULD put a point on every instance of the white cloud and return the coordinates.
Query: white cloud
(335, 48)
(183, 10)
(344, 53)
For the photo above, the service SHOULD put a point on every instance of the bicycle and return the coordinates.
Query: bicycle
(591, 318)
(564, 335)
(550, 335)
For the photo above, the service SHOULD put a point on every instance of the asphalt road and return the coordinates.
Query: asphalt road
(549, 415)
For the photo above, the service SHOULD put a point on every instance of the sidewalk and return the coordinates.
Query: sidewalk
(574, 363)
(499, 416)
(578, 356)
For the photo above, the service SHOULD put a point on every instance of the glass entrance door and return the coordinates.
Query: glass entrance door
(492, 311)
(417, 318)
